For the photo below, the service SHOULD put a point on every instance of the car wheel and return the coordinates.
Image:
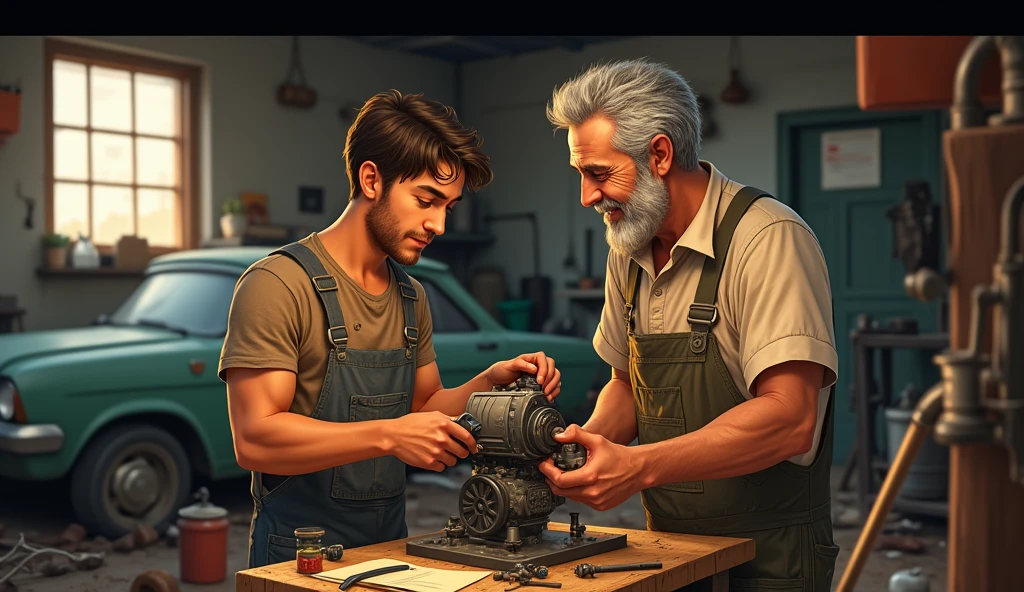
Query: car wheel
(130, 475)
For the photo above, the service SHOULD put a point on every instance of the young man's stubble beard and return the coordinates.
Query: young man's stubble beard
(384, 229)
(642, 214)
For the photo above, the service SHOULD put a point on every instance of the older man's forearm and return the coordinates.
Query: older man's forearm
(614, 416)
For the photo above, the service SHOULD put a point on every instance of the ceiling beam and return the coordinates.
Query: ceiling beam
(564, 42)
(477, 44)
(424, 42)
(380, 40)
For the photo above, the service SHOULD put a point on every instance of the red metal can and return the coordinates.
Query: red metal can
(203, 541)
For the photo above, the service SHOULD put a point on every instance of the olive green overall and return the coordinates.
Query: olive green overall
(680, 384)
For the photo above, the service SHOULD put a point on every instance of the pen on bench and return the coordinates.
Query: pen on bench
(351, 580)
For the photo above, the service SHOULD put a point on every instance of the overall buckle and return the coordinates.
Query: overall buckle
(341, 340)
(702, 314)
(325, 283)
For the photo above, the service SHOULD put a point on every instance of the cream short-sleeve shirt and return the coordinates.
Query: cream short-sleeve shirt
(774, 296)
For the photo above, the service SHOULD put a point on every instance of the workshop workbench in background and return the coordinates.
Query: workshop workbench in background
(685, 559)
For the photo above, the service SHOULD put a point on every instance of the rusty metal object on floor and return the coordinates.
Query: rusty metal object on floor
(154, 580)
(900, 542)
(586, 569)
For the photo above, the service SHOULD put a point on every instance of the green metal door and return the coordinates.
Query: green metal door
(848, 215)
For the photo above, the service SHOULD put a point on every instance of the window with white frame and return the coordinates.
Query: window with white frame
(121, 132)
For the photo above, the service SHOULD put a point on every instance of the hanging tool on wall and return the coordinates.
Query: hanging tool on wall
(916, 241)
(294, 92)
(30, 204)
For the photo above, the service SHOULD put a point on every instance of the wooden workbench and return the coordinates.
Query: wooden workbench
(685, 559)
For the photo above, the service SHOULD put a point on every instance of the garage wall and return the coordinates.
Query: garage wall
(506, 99)
(250, 144)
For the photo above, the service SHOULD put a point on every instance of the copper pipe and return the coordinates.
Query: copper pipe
(925, 416)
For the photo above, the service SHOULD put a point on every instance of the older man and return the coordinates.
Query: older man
(718, 326)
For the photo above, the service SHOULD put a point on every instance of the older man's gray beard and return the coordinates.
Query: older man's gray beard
(642, 214)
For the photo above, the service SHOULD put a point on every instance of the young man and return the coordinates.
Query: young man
(328, 359)
(718, 327)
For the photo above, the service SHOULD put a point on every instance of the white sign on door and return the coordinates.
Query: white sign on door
(851, 159)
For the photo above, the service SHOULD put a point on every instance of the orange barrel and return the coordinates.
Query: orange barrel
(203, 541)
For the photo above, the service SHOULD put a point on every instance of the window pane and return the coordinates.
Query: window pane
(111, 214)
(157, 162)
(446, 316)
(70, 154)
(69, 100)
(156, 105)
(194, 301)
(111, 158)
(111, 98)
(71, 209)
(158, 217)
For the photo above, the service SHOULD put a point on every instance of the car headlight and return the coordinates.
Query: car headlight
(6, 399)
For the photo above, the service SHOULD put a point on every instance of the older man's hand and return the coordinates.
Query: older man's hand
(608, 478)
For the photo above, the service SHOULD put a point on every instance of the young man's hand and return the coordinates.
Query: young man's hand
(537, 363)
(425, 440)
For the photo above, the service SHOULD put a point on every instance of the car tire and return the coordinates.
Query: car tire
(130, 475)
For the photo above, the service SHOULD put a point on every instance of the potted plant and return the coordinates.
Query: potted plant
(55, 246)
(233, 223)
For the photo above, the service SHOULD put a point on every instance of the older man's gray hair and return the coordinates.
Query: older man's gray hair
(643, 98)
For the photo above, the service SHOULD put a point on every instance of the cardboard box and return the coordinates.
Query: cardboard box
(907, 73)
(131, 252)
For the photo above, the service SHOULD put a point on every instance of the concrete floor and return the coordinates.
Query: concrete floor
(36, 509)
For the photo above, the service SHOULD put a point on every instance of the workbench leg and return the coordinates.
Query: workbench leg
(863, 388)
(720, 582)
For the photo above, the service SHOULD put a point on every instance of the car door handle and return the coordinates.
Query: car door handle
(487, 345)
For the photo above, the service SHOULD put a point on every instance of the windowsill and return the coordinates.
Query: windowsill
(104, 272)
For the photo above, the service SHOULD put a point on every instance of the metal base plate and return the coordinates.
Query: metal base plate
(553, 548)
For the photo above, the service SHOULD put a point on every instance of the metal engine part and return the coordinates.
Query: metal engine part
(505, 506)
(517, 427)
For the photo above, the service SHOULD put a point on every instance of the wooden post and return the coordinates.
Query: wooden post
(986, 510)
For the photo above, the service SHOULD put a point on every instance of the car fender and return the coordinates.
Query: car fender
(125, 412)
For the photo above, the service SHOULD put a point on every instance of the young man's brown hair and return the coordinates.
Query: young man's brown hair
(405, 135)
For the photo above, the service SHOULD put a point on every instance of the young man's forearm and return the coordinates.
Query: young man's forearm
(293, 444)
(614, 416)
(750, 437)
(453, 401)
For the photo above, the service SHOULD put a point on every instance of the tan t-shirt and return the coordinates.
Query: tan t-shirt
(774, 296)
(277, 320)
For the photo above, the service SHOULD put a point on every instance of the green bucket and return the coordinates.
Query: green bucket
(516, 314)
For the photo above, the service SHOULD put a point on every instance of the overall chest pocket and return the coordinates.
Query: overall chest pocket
(660, 417)
(374, 478)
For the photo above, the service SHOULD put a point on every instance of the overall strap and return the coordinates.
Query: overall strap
(327, 288)
(409, 298)
(632, 282)
(704, 311)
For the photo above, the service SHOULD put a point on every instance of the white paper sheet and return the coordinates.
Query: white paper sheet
(415, 579)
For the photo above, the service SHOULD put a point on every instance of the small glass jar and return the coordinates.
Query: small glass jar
(309, 558)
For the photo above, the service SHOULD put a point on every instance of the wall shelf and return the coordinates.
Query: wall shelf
(104, 272)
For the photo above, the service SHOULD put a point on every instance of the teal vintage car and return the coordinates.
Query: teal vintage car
(131, 409)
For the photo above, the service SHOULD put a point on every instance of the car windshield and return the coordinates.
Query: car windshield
(190, 302)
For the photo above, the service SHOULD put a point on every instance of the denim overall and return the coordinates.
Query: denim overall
(360, 503)
(681, 384)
